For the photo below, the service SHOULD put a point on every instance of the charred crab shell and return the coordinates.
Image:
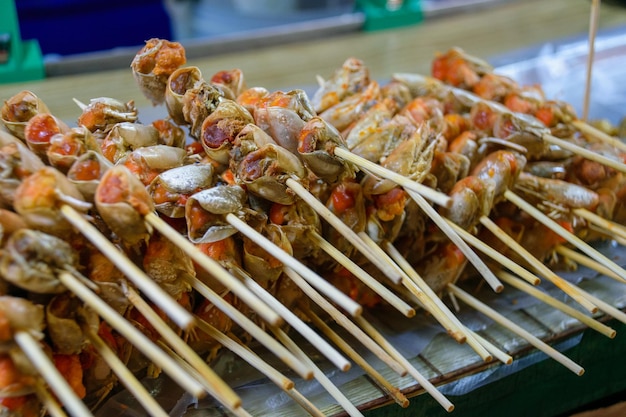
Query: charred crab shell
(219, 200)
(184, 180)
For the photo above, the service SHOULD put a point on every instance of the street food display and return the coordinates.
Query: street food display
(132, 248)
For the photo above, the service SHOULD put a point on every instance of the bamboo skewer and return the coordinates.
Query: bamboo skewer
(218, 388)
(215, 269)
(49, 402)
(436, 197)
(456, 324)
(611, 228)
(494, 254)
(471, 256)
(127, 378)
(319, 283)
(132, 334)
(510, 325)
(425, 301)
(138, 277)
(289, 386)
(238, 412)
(385, 385)
(253, 330)
(597, 134)
(363, 276)
(593, 28)
(40, 361)
(572, 291)
(423, 381)
(559, 305)
(586, 261)
(246, 354)
(318, 374)
(344, 322)
(503, 357)
(294, 321)
(585, 153)
(342, 228)
(561, 231)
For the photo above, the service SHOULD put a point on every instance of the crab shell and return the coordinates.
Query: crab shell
(64, 316)
(198, 103)
(270, 185)
(124, 217)
(184, 180)
(32, 259)
(223, 126)
(88, 187)
(39, 197)
(178, 83)
(219, 201)
(323, 164)
(19, 109)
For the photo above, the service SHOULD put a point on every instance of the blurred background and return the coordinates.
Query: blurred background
(92, 36)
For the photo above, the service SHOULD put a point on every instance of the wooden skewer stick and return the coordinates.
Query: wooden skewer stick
(539, 266)
(320, 284)
(520, 331)
(132, 334)
(49, 402)
(318, 374)
(607, 308)
(342, 228)
(436, 197)
(471, 256)
(572, 291)
(375, 285)
(559, 305)
(238, 412)
(587, 261)
(593, 28)
(425, 301)
(148, 286)
(125, 376)
(611, 228)
(35, 353)
(597, 134)
(295, 322)
(246, 354)
(277, 377)
(385, 385)
(502, 356)
(456, 324)
(423, 381)
(494, 254)
(344, 322)
(565, 234)
(305, 403)
(215, 269)
(585, 153)
(218, 388)
(253, 330)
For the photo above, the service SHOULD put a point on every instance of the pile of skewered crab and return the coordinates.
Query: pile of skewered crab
(131, 249)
